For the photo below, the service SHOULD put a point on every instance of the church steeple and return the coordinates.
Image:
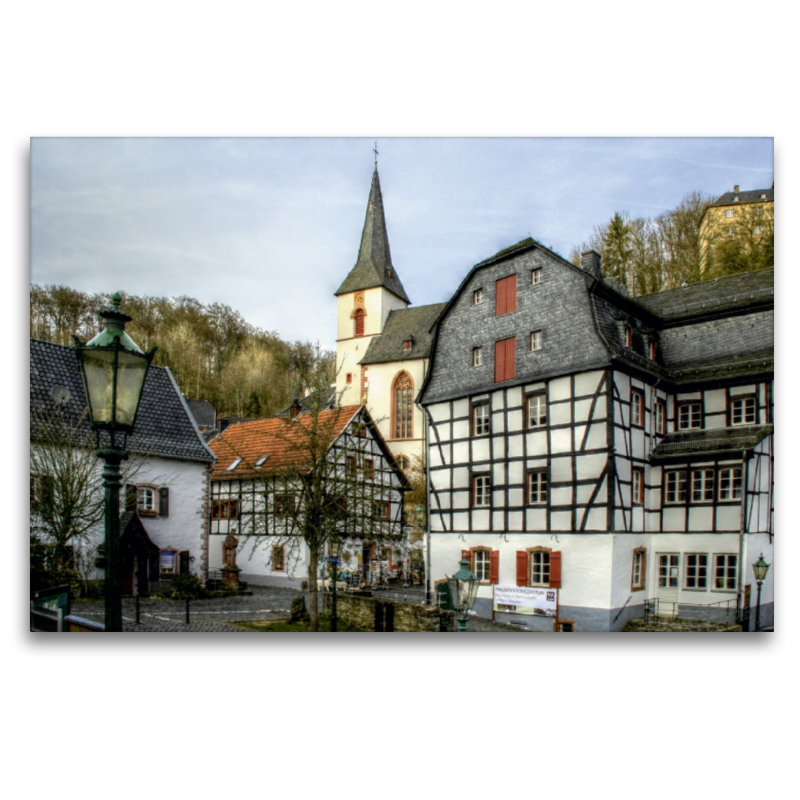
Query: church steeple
(374, 265)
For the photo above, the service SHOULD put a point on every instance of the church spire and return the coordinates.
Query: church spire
(374, 265)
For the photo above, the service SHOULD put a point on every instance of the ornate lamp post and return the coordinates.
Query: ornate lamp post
(113, 369)
(336, 545)
(760, 569)
(463, 590)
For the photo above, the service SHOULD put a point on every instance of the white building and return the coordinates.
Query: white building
(164, 524)
(258, 496)
(615, 449)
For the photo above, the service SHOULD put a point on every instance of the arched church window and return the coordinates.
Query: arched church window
(359, 318)
(402, 406)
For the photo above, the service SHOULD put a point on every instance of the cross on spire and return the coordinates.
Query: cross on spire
(375, 150)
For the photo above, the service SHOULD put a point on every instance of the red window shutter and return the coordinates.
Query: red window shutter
(511, 293)
(505, 295)
(499, 298)
(359, 322)
(467, 556)
(511, 358)
(555, 569)
(499, 361)
(522, 568)
(494, 567)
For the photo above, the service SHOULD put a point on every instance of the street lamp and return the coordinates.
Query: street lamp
(760, 569)
(463, 590)
(335, 546)
(113, 369)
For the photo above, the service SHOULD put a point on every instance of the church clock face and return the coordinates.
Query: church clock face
(359, 299)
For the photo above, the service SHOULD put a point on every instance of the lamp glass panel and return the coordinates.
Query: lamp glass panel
(130, 379)
(98, 367)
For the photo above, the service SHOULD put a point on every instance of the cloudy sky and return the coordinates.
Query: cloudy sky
(271, 226)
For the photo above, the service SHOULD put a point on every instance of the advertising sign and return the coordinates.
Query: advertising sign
(531, 600)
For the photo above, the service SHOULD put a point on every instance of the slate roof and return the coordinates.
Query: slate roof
(205, 415)
(374, 265)
(721, 294)
(750, 196)
(164, 424)
(328, 402)
(413, 323)
(710, 442)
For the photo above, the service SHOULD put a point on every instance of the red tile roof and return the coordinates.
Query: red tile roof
(282, 440)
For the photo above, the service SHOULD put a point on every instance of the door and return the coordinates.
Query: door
(667, 583)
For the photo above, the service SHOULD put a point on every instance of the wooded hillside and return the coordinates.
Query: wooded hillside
(212, 351)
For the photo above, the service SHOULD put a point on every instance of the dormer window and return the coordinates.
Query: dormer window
(235, 463)
(763, 197)
(407, 344)
(261, 461)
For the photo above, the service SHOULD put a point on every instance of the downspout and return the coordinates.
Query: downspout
(742, 526)
(428, 597)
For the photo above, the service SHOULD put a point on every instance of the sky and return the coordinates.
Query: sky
(271, 226)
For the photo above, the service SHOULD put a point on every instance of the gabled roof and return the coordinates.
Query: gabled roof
(710, 442)
(327, 400)
(402, 325)
(205, 415)
(164, 424)
(750, 196)
(374, 265)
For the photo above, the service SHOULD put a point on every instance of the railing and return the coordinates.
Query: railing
(710, 616)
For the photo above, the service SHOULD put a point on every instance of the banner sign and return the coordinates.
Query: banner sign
(525, 600)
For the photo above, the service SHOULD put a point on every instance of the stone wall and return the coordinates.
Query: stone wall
(359, 611)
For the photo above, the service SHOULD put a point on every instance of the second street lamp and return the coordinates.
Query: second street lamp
(463, 590)
(113, 369)
(760, 570)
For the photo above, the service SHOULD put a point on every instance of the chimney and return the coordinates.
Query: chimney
(736, 188)
(590, 262)
(294, 409)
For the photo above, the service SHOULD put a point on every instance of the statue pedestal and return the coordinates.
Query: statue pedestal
(230, 578)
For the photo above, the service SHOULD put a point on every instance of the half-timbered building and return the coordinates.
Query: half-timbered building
(262, 489)
(616, 449)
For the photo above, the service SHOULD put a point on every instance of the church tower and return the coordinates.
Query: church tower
(367, 295)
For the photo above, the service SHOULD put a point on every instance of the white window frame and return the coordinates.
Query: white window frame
(696, 572)
(726, 564)
(145, 504)
(730, 483)
(477, 356)
(661, 416)
(481, 419)
(746, 415)
(535, 341)
(667, 562)
(537, 488)
(685, 415)
(539, 567)
(703, 485)
(477, 297)
(730, 213)
(481, 563)
(637, 407)
(675, 483)
(536, 276)
(637, 486)
(481, 491)
(539, 403)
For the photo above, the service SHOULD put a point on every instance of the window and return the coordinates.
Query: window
(696, 571)
(403, 462)
(146, 500)
(758, 230)
(690, 415)
(638, 569)
(407, 344)
(505, 295)
(628, 336)
(536, 340)
(358, 318)
(505, 359)
(386, 555)
(480, 420)
(481, 488)
(730, 483)
(278, 558)
(536, 276)
(168, 563)
(661, 416)
(638, 487)
(537, 410)
(730, 233)
(477, 297)
(477, 356)
(360, 430)
(537, 488)
(540, 568)
(283, 505)
(350, 466)
(653, 350)
(725, 572)
(43, 490)
(730, 213)
(402, 399)
(224, 509)
(380, 510)
(668, 571)
(676, 486)
(743, 411)
(637, 408)
(702, 485)
(232, 466)
(368, 465)
(480, 564)
(349, 378)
